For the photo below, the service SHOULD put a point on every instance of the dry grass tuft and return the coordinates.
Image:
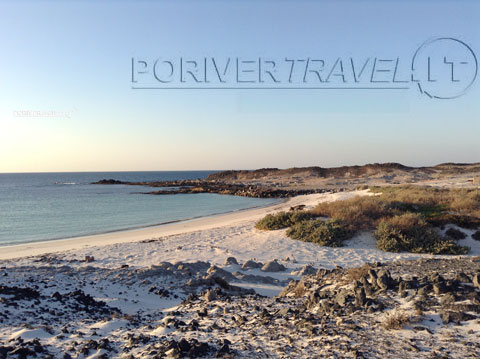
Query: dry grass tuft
(403, 217)
(397, 320)
(361, 213)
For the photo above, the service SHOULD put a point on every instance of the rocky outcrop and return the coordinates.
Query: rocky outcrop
(448, 287)
(109, 181)
(198, 186)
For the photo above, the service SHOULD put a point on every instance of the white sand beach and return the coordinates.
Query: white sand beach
(124, 285)
(215, 238)
(225, 221)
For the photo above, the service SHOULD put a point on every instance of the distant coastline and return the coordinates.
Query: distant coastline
(284, 183)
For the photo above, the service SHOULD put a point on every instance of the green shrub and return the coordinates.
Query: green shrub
(299, 216)
(331, 233)
(409, 232)
(455, 234)
(463, 221)
(281, 220)
(447, 246)
(303, 230)
(476, 236)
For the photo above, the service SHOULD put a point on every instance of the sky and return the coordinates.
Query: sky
(67, 101)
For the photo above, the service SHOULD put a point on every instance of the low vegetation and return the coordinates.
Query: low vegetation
(409, 232)
(282, 220)
(455, 234)
(403, 218)
(359, 213)
(438, 206)
(329, 233)
(397, 320)
(476, 236)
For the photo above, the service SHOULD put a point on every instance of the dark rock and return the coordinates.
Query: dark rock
(307, 270)
(284, 312)
(322, 272)
(193, 325)
(420, 305)
(476, 280)
(199, 349)
(436, 278)
(463, 278)
(265, 314)
(19, 293)
(273, 266)
(250, 264)
(23, 352)
(369, 290)
(238, 319)
(230, 261)
(384, 280)
(448, 299)
(184, 345)
(424, 290)
(210, 295)
(56, 296)
(4, 351)
(341, 298)
(215, 271)
(455, 234)
(251, 278)
(476, 236)
(109, 181)
(222, 283)
(360, 297)
(456, 317)
(440, 288)
(224, 349)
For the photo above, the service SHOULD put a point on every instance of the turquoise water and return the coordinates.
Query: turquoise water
(44, 206)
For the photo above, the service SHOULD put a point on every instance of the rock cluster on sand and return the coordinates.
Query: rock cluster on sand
(273, 266)
(348, 313)
(231, 261)
(251, 264)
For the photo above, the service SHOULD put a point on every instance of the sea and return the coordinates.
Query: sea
(46, 206)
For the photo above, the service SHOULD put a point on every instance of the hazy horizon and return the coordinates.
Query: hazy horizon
(239, 169)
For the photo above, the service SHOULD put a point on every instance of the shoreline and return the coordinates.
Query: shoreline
(279, 201)
(168, 284)
(143, 233)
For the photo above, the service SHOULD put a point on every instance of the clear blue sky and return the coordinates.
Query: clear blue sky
(74, 58)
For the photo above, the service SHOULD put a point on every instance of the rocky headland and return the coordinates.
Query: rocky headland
(281, 183)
